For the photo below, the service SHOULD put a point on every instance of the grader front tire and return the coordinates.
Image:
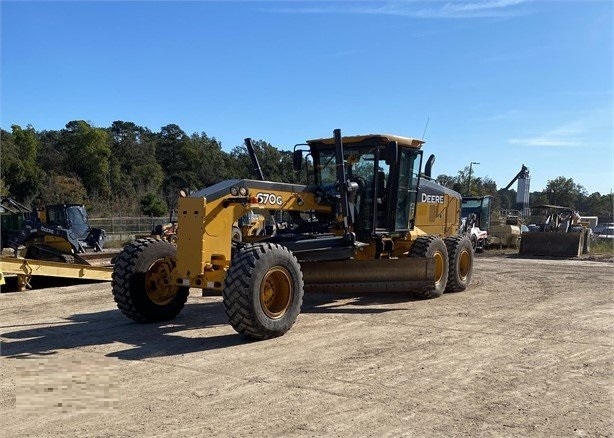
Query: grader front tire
(141, 285)
(433, 247)
(263, 292)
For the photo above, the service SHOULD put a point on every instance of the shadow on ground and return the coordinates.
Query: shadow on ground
(110, 326)
(165, 338)
(355, 303)
(43, 282)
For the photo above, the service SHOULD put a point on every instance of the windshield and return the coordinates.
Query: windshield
(476, 212)
(76, 215)
(359, 165)
(77, 221)
(369, 201)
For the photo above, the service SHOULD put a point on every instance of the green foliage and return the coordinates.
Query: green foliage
(559, 191)
(209, 164)
(134, 170)
(602, 247)
(446, 181)
(151, 205)
(598, 205)
(89, 152)
(59, 189)
(563, 191)
(4, 188)
(276, 165)
(126, 169)
(19, 169)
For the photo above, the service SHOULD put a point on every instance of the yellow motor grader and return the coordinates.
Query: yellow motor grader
(357, 226)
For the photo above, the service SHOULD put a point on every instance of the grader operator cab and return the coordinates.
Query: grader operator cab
(354, 228)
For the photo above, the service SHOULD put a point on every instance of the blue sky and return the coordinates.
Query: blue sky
(501, 82)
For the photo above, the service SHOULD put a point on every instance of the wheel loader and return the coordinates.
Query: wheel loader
(561, 233)
(357, 226)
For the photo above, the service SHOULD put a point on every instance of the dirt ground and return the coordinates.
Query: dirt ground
(527, 351)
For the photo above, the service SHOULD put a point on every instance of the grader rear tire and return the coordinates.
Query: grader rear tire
(141, 285)
(460, 256)
(263, 292)
(433, 247)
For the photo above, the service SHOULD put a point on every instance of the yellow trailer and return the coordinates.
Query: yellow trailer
(24, 269)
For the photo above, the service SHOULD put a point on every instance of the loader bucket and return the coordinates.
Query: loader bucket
(552, 244)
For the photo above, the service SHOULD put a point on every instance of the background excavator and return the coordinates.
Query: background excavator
(367, 220)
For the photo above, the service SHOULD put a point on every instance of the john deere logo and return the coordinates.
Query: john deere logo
(432, 199)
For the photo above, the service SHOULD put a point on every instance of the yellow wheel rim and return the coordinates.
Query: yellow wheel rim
(464, 264)
(276, 292)
(157, 283)
(439, 264)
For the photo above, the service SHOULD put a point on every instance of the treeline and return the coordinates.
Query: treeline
(124, 169)
(559, 191)
(127, 169)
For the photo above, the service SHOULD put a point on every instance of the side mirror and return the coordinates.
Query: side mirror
(297, 160)
(392, 153)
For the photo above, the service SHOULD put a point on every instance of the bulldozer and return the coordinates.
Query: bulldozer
(167, 231)
(58, 233)
(247, 226)
(357, 226)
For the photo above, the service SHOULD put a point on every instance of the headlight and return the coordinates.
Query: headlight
(234, 191)
(242, 191)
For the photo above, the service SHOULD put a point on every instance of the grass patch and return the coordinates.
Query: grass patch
(605, 247)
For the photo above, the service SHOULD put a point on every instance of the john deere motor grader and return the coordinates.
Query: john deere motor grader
(356, 227)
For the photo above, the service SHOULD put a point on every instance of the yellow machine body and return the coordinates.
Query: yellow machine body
(205, 221)
(204, 243)
(367, 221)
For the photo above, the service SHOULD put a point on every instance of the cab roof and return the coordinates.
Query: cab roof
(380, 139)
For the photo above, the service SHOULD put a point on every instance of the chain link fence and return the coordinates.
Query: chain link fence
(127, 225)
(123, 229)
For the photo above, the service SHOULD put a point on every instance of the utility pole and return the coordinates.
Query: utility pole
(469, 178)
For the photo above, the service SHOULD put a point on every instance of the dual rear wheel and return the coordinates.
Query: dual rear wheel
(453, 262)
